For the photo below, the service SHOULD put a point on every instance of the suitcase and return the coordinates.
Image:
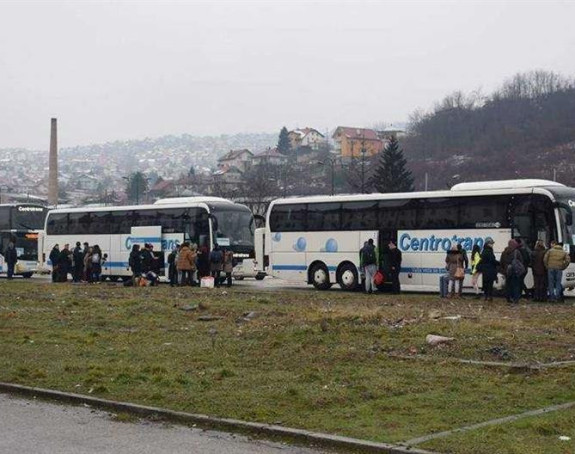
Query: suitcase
(443, 285)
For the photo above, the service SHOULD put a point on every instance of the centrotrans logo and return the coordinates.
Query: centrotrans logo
(433, 243)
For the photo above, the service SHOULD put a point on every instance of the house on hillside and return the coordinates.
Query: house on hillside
(240, 159)
(355, 142)
(270, 156)
(306, 137)
(162, 188)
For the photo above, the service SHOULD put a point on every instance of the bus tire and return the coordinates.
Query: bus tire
(319, 276)
(27, 275)
(114, 278)
(260, 276)
(347, 277)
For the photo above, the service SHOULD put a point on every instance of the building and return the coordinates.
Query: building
(240, 159)
(306, 137)
(355, 142)
(271, 156)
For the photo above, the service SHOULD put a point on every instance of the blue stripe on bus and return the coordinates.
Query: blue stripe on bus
(427, 270)
(297, 268)
(145, 239)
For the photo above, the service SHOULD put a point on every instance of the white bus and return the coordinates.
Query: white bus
(317, 239)
(20, 224)
(204, 221)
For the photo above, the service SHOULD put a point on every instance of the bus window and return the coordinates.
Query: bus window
(323, 216)
(484, 212)
(288, 218)
(359, 215)
(57, 224)
(120, 222)
(438, 213)
(99, 223)
(397, 214)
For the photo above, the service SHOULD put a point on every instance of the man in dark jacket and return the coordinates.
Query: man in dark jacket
(488, 268)
(65, 263)
(526, 256)
(395, 258)
(54, 260)
(78, 258)
(513, 261)
(10, 257)
(539, 272)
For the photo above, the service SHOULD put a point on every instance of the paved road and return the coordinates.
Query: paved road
(31, 426)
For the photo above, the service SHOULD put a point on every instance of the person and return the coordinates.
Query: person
(96, 263)
(135, 262)
(514, 268)
(526, 256)
(172, 268)
(539, 272)
(504, 263)
(203, 262)
(65, 263)
(10, 257)
(147, 259)
(556, 260)
(368, 262)
(395, 258)
(78, 259)
(228, 266)
(454, 266)
(216, 264)
(488, 266)
(465, 259)
(186, 264)
(88, 264)
(54, 259)
(475, 273)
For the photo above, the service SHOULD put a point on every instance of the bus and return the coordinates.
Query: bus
(20, 223)
(203, 221)
(316, 239)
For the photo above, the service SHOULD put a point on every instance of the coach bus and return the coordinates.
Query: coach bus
(317, 239)
(203, 221)
(20, 224)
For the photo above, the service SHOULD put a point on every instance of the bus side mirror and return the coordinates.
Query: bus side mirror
(569, 219)
(260, 221)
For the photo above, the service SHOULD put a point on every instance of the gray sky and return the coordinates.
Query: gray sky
(134, 69)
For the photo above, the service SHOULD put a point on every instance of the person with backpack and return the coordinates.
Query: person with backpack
(216, 264)
(65, 263)
(368, 262)
(514, 269)
(96, 263)
(556, 260)
(455, 269)
(78, 259)
(526, 255)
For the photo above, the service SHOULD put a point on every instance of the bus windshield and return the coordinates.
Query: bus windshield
(28, 217)
(235, 227)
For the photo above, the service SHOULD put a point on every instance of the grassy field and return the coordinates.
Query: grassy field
(334, 362)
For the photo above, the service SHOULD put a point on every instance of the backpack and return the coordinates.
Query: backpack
(95, 258)
(215, 256)
(516, 268)
(368, 256)
(566, 261)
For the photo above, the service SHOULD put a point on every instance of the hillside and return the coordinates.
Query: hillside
(524, 129)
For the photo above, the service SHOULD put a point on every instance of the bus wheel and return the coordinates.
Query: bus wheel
(114, 278)
(320, 276)
(27, 275)
(347, 277)
(260, 276)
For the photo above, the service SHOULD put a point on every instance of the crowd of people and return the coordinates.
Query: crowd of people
(547, 265)
(83, 263)
(187, 265)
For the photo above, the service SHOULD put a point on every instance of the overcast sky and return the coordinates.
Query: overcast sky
(129, 70)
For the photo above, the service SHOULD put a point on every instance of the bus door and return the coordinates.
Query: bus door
(384, 237)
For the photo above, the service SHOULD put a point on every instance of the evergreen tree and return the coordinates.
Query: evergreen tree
(284, 144)
(136, 186)
(391, 173)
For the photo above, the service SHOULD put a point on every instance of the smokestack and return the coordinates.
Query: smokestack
(53, 165)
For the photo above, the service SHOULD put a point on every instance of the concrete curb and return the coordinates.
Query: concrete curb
(301, 436)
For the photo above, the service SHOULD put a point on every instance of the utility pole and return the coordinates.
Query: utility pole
(363, 166)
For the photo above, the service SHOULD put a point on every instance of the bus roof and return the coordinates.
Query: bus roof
(185, 200)
(479, 188)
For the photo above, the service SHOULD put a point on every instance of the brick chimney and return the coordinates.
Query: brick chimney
(53, 165)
